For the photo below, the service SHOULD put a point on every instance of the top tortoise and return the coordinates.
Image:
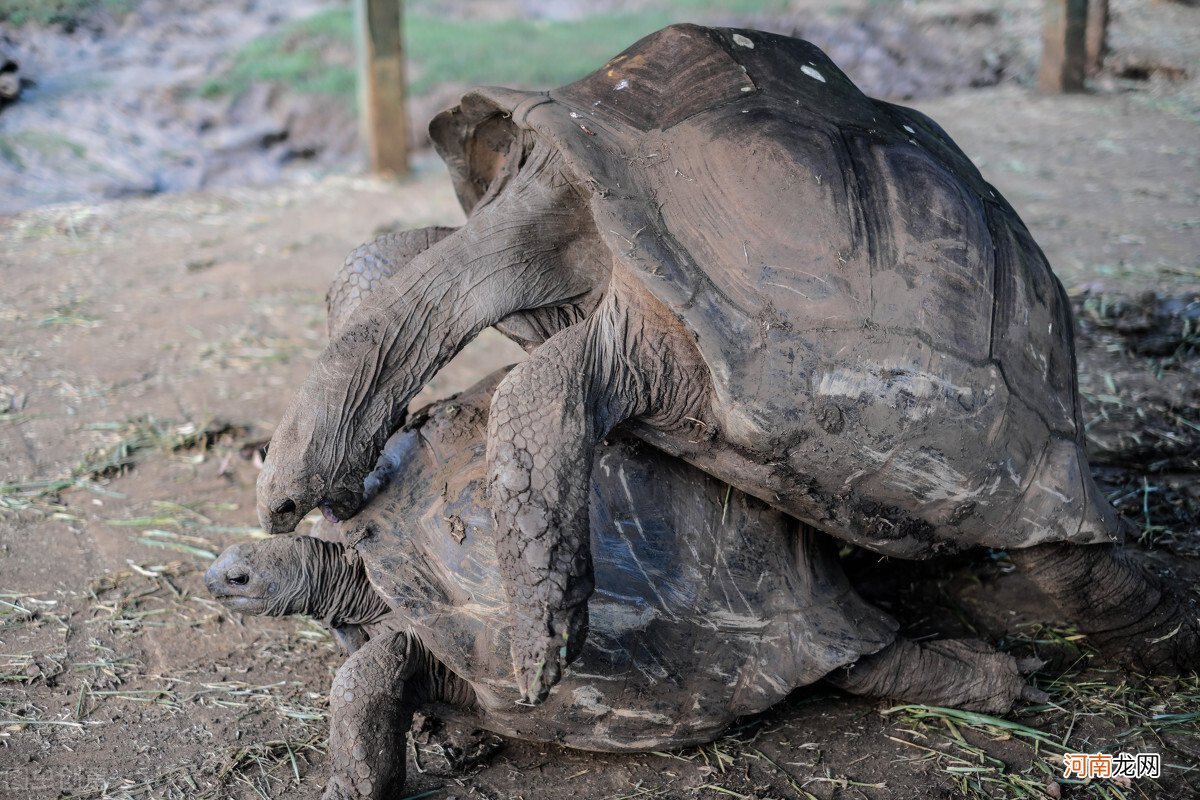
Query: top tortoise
(808, 293)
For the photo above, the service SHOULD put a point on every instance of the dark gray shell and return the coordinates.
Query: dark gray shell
(708, 603)
(872, 311)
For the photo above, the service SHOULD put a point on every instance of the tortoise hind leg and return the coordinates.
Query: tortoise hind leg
(955, 673)
(371, 707)
(1124, 610)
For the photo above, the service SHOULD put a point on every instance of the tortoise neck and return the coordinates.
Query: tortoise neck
(339, 591)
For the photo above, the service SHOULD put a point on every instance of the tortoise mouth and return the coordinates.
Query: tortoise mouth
(238, 600)
(231, 588)
(286, 514)
(245, 603)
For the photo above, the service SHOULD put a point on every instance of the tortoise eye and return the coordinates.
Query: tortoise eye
(238, 579)
(285, 506)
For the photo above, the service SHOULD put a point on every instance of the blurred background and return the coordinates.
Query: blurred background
(134, 97)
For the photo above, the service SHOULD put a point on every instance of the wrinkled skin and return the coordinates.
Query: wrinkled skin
(526, 248)
(557, 258)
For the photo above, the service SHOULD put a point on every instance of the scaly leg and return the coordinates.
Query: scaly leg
(371, 706)
(955, 673)
(370, 265)
(1123, 609)
(546, 418)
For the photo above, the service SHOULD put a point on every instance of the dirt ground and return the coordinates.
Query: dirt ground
(146, 345)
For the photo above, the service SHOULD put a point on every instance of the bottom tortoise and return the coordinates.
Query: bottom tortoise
(709, 604)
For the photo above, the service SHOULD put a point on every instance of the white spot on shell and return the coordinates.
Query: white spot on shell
(621, 84)
(747, 88)
(743, 41)
(589, 700)
(812, 73)
(910, 130)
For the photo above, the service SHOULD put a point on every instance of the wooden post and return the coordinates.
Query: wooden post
(1064, 51)
(1097, 35)
(384, 123)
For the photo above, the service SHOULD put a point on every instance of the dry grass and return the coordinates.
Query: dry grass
(133, 440)
(93, 656)
(990, 757)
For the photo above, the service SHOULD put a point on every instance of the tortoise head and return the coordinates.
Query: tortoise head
(295, 575)
(272, 577)
(300, 474)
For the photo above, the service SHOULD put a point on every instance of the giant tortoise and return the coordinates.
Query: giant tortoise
(709, 604)
(719, 241)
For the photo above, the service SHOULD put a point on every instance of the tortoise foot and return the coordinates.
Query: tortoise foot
(1127, 612)
(955, 673)
(542, 648)
(1164, 642)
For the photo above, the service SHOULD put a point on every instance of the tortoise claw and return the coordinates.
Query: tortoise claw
(542, 649)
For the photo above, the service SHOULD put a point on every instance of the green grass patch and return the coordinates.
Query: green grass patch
(296, 56)
(517, 52)
(8, 152)
(36, 143)
(49, 12)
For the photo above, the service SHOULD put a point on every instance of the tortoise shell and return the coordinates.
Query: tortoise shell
(709, 604)
(871, 310)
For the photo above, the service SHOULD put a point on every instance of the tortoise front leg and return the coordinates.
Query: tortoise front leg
(546, 418)
(1123, 609)
(543, 427)
(371, 706)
